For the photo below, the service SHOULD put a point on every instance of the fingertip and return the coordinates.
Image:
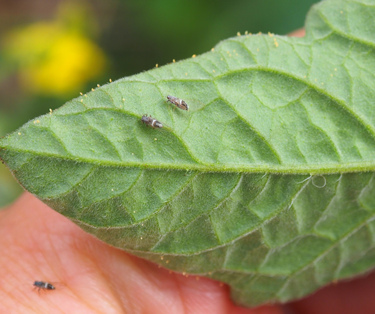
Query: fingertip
(209, 296)
(298, 33)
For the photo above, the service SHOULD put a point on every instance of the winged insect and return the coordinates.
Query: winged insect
(43, 285)
(151, 122)
(178, 102)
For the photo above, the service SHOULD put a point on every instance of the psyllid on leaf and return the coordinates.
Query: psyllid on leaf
(151, 122)
(178, 102)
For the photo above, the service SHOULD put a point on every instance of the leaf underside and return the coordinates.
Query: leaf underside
(266, 183)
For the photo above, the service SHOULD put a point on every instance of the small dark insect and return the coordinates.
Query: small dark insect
(151, 122)
(43, 285)
(178, 102)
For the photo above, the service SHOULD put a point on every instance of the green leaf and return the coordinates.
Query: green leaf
(267, 183)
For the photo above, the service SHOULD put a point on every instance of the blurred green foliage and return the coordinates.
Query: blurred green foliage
(50, 52)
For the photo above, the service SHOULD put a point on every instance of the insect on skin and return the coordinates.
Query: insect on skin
(151, 122)
(43, 285)
(178, 102)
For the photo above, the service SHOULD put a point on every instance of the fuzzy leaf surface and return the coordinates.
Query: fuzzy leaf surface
(266, 183)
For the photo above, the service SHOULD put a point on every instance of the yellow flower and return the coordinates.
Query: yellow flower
(53, 60)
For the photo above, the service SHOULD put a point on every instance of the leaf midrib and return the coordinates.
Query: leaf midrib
(312, 169)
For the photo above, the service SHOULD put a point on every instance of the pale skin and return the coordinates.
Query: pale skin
(37, 243)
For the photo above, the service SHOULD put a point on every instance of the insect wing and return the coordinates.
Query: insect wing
(194, 104)
(178, 102)
(152, 122)
(43, 285)
(58, 285)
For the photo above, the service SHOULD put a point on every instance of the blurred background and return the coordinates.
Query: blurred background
(50, 50)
